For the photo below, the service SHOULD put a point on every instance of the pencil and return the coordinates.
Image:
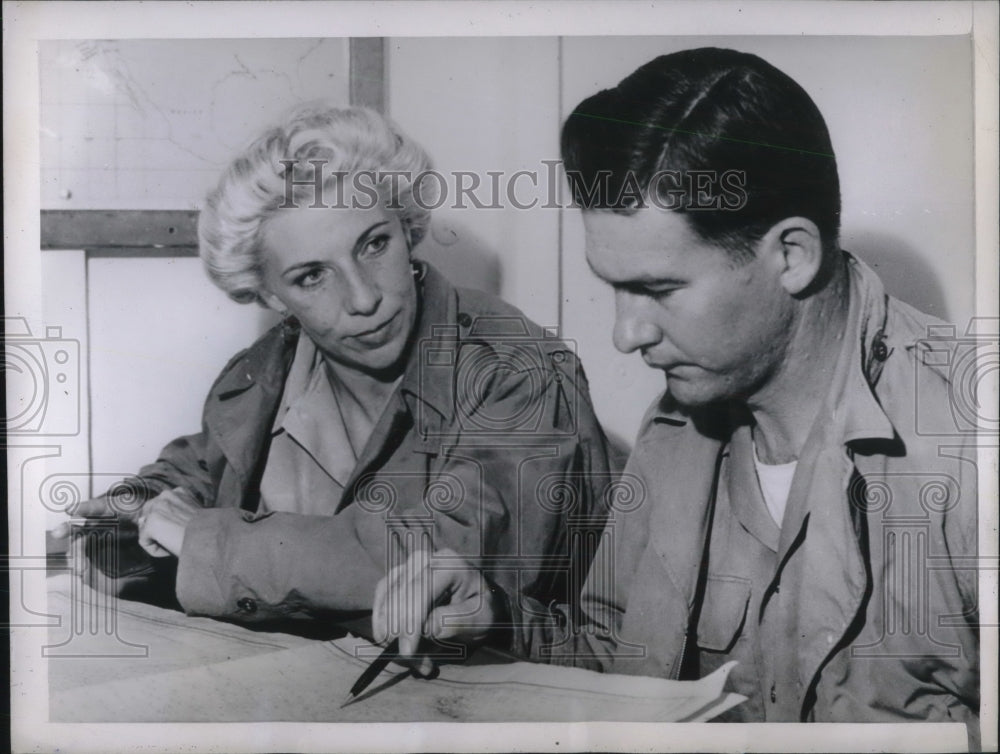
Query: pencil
(390, 653)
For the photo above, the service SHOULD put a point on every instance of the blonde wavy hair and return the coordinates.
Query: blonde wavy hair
(339, 141)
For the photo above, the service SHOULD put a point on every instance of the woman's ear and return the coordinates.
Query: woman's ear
(407, 235)
(797, 246)
(273, 302)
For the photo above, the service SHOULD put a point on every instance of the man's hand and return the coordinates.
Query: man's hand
(163, 520)
(433, 597)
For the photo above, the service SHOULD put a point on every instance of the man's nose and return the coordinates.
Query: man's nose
(361, 295)
(633, 328)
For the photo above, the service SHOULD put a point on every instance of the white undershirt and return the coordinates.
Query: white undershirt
(775, 482)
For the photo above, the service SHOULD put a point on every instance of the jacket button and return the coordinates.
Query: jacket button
(774, 696)
(879, 349)
(464, 319)
(247, 605)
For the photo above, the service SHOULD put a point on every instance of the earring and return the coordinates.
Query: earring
(418, 270)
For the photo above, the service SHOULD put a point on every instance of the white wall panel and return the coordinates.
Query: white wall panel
(486, 104)
(160, 332)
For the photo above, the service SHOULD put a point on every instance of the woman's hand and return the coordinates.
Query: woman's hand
(433, 597)
(164, 519)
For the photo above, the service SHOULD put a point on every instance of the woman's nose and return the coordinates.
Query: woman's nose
(633, 330)
(361, 295)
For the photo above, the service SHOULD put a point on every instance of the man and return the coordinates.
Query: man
(788, 520)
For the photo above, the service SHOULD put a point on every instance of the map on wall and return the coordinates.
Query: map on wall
(149, 124)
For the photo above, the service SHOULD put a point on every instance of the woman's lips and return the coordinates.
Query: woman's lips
(378, 335)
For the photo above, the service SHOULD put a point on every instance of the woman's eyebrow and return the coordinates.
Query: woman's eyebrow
(361, 239)
(298, 266)
(363, 236)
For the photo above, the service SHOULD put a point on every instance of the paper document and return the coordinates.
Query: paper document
(156, 665)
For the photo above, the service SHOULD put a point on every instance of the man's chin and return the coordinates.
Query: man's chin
(688, 394)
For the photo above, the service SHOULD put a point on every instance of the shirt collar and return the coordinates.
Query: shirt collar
(301, 376)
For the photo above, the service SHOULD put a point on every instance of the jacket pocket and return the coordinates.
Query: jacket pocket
(723, 612)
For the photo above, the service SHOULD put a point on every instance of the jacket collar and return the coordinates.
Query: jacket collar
(855, 408)
(435, 343)
(851, 404)
(265, 363)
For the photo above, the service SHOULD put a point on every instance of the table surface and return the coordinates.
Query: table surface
(113, 660)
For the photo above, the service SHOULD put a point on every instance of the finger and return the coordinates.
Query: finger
(385, 623)
(386, 612)
(154, 549)
(413, 601)
(98, 507)
(426, 667)
(78, 559)
(62, 530)
(148, 540)
(380, 628)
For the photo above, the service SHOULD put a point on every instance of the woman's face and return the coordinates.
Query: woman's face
(345, 274)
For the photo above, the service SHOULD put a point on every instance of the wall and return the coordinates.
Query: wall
(479, 105)
(898, 109)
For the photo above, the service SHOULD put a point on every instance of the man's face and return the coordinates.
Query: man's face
(717, 328)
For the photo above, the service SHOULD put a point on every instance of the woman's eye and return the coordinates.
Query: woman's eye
(377, 244)
(309, 279)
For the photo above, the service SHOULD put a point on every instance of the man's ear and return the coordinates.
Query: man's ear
(797, 247)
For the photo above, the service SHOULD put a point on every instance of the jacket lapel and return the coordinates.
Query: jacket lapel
(242, 404)
(684, 502)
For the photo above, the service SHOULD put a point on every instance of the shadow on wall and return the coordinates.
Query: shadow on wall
(905, 273)
(464, 258)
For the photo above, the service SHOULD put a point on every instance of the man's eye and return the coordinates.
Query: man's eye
(657, 292)
(654, 291)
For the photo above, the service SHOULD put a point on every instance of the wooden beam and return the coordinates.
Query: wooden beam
(122, 229)
(367, 72)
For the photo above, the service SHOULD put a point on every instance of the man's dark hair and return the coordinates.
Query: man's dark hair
(720, 135)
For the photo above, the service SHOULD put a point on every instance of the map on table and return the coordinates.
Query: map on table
(116, 661)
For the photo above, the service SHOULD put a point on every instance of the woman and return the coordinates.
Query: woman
(388, 412)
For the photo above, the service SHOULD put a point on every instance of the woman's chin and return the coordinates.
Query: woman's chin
(378, 361)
